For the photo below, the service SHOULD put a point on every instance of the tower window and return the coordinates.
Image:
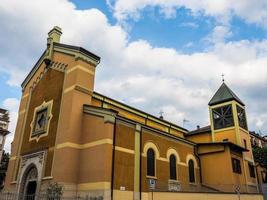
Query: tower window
(150, 162)
(222, 117)
(236, 166)
(241, 117)
(191, 171)
(173, 175)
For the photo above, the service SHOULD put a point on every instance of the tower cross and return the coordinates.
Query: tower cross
(222, 77)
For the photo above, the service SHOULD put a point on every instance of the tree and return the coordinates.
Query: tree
(3, 168)
(260, 156)
(54, 191)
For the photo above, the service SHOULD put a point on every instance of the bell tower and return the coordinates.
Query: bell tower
(228, 117)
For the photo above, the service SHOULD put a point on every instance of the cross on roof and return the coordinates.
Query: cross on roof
(222, 77)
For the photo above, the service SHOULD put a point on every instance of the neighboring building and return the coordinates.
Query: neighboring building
(94, 145)
(257, 140)
(4, 122)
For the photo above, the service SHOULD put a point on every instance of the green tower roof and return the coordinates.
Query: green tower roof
(224, 94)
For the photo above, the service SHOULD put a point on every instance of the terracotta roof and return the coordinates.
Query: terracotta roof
(223, 94)
(204, 129)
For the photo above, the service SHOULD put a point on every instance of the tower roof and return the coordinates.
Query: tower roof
(223, 94)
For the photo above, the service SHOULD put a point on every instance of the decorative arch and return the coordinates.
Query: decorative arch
(29, 181)
(151, 145)
(191, 157)
(171, 151)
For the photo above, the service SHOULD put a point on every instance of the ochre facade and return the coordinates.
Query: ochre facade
(97, 147)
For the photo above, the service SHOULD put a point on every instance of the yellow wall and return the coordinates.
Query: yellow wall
(200, 138)
(229, 134)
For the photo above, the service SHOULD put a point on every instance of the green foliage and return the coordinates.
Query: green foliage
(260, 156)
(54, 191)
(3, 167)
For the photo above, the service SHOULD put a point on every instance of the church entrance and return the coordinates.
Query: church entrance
(29, 184)
(31, 189)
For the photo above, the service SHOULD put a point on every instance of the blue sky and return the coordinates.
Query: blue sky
(179, 31)
(156, 55)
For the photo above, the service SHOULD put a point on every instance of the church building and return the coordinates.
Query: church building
(99, 148)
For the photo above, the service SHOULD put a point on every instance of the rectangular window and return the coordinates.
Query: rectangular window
(264, 177)
(245, 144)
(236, 166)
(251, 170)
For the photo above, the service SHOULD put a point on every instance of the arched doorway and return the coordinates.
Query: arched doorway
(29, 184)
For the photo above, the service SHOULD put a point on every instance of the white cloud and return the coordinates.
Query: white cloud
(219, 34)
(147, 77)
(222, 10)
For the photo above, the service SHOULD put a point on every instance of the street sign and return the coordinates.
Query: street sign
(152, 184)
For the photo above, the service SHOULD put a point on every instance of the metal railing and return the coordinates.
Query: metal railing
(176, 186)
(152, 186)
(16, 196)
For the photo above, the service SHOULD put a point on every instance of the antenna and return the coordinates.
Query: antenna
(185, 121)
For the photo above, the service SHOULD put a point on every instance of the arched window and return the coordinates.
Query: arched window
(150, 162)
(173, 167)
(191, 171)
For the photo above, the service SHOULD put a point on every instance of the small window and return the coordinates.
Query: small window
(251, 170)
(264, 177)
(191, 171)
(173, 175)
(241, 117)
(222, 117)
(245, 144)
(150, 162)
(236, 166)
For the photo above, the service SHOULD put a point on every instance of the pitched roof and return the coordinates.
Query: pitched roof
(71, 48)
(223, 94)
(205, 129)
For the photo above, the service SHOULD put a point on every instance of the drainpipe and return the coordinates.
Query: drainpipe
(113, 158)
(199, 161)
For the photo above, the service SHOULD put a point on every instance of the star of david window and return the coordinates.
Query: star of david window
(241, 117)
(222, 117)
(40, 122)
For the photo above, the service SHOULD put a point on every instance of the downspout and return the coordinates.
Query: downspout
(140, 167)
(199, 161)
(113, 158)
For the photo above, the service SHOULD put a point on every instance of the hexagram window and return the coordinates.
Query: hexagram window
(40, 121)
(150, 162)
(223, 117)
(241, 117)
(173, 175)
